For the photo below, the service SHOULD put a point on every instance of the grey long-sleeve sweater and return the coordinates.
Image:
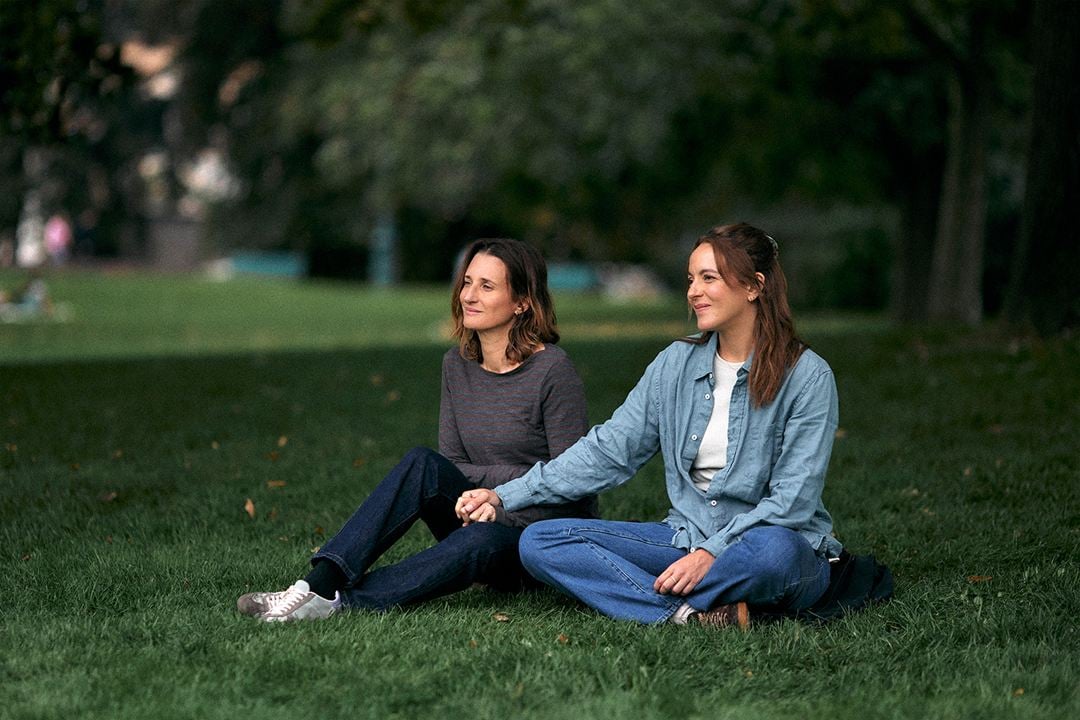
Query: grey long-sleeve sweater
(494, 427)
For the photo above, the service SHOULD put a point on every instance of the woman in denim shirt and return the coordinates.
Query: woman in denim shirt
(744, 415)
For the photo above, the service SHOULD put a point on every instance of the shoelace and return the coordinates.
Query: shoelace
(268, 599)
(288, 601)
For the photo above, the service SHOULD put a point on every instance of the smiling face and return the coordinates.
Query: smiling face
(719, 307)
(487, 303)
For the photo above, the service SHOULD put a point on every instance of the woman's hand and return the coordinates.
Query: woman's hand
(684, 574)
(477, 506)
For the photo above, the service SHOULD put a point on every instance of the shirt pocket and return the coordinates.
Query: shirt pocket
(749, 480)
(749, 486)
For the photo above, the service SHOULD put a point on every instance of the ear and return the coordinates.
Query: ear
(752, 292)
(522, 307)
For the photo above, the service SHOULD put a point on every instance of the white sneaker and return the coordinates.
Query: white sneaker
(299, 603)
(257, 603)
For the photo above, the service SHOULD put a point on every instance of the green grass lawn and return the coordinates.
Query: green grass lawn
(133, 433)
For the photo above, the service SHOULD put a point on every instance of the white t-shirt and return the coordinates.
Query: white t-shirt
(712, 454)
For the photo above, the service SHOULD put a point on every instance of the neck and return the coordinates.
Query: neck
(735, 344)
(493, 352)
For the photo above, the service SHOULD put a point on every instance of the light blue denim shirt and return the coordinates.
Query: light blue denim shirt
(776, 458)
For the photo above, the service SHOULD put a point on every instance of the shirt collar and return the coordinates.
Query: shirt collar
(701, 359)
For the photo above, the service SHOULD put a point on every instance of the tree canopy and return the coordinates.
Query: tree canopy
(602, 129)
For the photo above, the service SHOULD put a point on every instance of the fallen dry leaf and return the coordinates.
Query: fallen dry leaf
(75, 466)
(117, 454)
(214, 445)
(282, 441)
(473, 644)
(108, 539)
(377, 380)
(26, 557)
(358, 462)
(562, 639)
(107, 496)
(273, 514)
(979, 578)
(393, 396)
(996, 429)
(501, 617)
(1018, 692)
(249, 508)
(275, 483)
(11, 447)
(319, 530)
(840, 433)
(967, 471)
(273, 455)
(748, 674)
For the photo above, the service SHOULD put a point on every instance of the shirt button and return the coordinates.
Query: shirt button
(693, 437)
(706, 396)
(713, 503)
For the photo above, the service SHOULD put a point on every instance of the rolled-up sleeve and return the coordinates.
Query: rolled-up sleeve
(607, 456)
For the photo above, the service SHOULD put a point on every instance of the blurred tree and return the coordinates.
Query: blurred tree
(576, 126)
(68, 122)
(596, 129)
(1043, 289)
(905, 103)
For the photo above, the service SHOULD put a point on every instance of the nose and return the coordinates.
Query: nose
(693, 291)
(467, 294)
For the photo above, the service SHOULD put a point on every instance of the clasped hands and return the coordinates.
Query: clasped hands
(477, 505)
(681, 577)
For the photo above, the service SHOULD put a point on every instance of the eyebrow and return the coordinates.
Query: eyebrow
(480, 279)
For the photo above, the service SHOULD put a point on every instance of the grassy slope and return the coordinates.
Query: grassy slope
(958, 458)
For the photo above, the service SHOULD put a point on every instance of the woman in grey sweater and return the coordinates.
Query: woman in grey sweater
(510, 398)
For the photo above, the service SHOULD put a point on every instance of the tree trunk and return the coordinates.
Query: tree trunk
(955, 292)
(1043, 289)
(912, 250)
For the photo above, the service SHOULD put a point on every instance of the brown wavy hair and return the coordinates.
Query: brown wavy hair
(742, 250)
(526, 272)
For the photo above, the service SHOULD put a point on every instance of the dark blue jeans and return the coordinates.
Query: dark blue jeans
(423, 486)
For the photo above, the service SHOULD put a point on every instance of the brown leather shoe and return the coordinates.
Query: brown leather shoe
(736, 614)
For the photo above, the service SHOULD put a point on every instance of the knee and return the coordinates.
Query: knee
(423, 461)
(419, 456)
(536, 540)
(780, 552)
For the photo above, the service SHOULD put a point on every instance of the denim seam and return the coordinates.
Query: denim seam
(340, 562)
(670, 609)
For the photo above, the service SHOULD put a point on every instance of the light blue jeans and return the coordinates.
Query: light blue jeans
(611, 566)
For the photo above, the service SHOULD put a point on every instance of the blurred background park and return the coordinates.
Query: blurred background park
(915, 158)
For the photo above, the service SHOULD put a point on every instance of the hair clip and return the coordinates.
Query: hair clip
(775, 247)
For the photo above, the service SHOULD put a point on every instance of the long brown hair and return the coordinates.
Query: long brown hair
(526, 273)
(742, 250)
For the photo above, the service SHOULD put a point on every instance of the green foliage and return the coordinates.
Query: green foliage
(123, 482)
(601, 129)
